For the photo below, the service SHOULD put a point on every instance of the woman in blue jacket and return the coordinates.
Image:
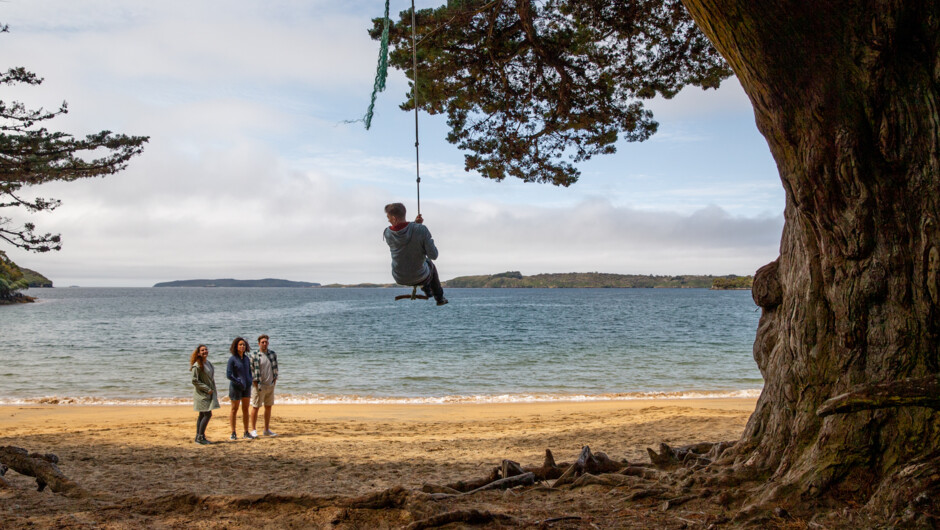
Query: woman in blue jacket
(238, 372)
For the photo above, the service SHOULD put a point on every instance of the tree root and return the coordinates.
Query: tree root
(548, 471)
(693, 456)
(922, 392)
(462, 486)
(43, 468)
(395, 497)
(588, 463)
(460, 516)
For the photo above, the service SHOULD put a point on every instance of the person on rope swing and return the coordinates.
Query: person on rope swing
(412, 251)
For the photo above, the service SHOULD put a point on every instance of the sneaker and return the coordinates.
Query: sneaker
(233, 437)
(442, 301)
(249, 435)
(268, 432)
(201, 440)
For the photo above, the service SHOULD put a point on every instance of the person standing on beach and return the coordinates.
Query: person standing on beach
(264, 377)
(412, 251)
(239, 387)
(205, 398)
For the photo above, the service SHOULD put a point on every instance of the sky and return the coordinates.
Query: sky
(252, 170)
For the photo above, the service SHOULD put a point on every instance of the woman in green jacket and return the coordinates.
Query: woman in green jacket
(205, 398)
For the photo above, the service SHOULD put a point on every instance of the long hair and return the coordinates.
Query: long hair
(233, 349)
(195, 358)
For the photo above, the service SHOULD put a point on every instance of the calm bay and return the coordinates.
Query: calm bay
(132, 345)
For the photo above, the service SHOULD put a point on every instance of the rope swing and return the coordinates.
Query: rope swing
(414, 92)
(381, 75)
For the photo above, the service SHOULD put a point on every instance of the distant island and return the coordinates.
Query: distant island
(359, 285)
(601, 280)
(229, 282)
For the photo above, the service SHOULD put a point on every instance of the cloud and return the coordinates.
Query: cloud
(249, 173)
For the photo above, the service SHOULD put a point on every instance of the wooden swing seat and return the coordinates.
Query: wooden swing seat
(413, 296)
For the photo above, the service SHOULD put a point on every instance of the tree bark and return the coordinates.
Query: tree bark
(846, 95)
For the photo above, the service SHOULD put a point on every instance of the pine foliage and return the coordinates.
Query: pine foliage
(532, 88)
(31, 154)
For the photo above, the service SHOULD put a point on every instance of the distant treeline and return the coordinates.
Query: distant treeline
(229, 282)
(733, 282)
(601, 280)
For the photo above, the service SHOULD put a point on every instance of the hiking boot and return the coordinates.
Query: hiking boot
(233, 436)
(249, 435)
(442, 301)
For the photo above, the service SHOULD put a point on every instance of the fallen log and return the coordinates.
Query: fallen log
(460, 516)
(588, 463)
(43, 468)
(922, 392)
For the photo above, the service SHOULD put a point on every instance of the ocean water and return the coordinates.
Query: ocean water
(132, 345)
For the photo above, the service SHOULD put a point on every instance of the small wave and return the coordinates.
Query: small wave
(320, 399)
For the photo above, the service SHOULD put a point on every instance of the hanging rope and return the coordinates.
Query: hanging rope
(414, 91)
(381, 71)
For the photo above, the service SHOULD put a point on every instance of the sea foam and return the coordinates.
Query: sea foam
(321, 399)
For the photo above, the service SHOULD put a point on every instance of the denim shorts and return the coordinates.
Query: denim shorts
(237, 394)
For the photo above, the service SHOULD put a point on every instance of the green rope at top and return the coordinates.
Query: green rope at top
(381, 72)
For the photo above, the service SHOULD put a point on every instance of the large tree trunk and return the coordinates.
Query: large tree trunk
(846, 94)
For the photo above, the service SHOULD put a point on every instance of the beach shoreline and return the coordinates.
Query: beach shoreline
(128, 453)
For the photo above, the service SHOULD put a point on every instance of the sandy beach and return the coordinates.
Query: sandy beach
(140, 464)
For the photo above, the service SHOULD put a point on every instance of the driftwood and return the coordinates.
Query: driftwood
(588, 463)
(922, 392)
(460, 516)
(42, 467)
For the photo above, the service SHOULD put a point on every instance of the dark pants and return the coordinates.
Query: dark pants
(202, 421)
(432, 285)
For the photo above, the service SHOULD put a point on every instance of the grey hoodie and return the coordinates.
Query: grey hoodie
(410, 247)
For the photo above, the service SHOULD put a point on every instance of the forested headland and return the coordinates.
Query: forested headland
(601, 280)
